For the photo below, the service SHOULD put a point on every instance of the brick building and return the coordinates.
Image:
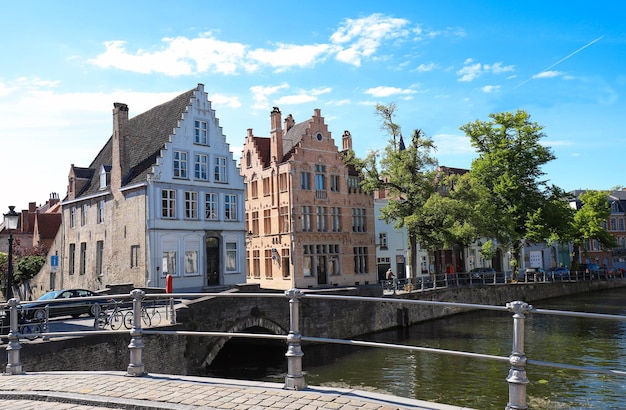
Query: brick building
(309, 224)
(163, 196)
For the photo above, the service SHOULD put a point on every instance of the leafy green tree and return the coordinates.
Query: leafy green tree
(509, 168)
(407, 173)
(28, 267)
(588, 222)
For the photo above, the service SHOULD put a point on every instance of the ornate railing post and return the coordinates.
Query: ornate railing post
(14, 366)
(136, 367)
(517, 374)
(294, 379)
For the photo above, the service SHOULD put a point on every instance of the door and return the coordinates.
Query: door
(212, 261)
(321, 270)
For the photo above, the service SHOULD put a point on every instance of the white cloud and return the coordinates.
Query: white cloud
(382, 91)
(453, 144)
(224, 100)
(490, 89)
(472, 70)
(290, 55)
(362, 37)
(180, 56)
(304, 96)
(547, 74)
(426, 67)
(261, 93)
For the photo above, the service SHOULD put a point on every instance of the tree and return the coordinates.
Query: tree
(588, 222)
(407, 174)
(509, 168)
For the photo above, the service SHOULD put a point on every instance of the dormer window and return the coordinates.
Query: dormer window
(105, 177)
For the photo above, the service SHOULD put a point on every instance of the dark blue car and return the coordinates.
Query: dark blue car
(71, 303)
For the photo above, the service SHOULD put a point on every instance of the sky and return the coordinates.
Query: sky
(443, 63)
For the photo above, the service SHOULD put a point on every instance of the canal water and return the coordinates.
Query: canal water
(474, 383)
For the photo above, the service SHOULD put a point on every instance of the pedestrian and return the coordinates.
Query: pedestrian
(390, 274)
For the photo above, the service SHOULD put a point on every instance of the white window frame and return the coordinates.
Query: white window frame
(201, 132)
(180, 164)
(230, 207)
(168, 203)
(220, 170)
(191, 205)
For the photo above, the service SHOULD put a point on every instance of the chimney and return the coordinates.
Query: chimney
(346, 141)
(276, 144)
(289, 122)
(120, 134)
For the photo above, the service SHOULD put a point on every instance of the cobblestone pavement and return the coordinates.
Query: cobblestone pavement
(114, 390)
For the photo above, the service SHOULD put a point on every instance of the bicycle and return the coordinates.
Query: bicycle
(114, 318)
(150, 316)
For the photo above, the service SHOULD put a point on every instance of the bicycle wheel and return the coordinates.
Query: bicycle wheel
(128, 320)
(145, 318)
(116, 320)
(155, 320)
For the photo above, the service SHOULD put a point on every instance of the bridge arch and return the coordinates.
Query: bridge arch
(238, 327)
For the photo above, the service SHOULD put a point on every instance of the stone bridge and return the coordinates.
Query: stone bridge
(326, 318)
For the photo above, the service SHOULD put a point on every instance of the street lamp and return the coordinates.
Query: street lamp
(10, 222)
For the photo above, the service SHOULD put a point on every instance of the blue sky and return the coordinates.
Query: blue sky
(443, 63)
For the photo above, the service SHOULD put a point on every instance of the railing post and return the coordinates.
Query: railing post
(14, 366)
(517, 374)
(294, 379)
(136, 367)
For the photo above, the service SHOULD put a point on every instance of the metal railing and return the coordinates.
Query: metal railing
(294, 380)
(444, 280)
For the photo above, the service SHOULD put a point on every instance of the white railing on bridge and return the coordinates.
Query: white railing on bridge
(137, 301)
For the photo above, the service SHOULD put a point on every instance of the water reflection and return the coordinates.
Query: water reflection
(477, 383)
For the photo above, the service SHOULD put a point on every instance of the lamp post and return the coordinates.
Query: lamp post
(10, 222)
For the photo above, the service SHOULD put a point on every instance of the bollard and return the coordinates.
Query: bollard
(294, 379)
(517, 374)
(14, 366)
(136, 367)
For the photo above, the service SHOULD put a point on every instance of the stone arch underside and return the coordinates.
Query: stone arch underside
(238, 327)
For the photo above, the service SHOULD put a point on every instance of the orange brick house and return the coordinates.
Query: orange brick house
(309, 224)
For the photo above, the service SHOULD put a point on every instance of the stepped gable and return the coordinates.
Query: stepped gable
(147, 135)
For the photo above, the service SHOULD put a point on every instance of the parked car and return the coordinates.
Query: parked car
(484, 273)
(532, 275)
(72, 304)
(589, 268)
(613, 272)
(558, 273)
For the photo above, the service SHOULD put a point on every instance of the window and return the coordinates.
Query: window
(254, 189)
(621, 224)
(72, 217)
(304, 180)
(180, 164)
(354, 185)
(72, 258)
(99, 257)
(320, 182)
(335, 219)
(321, 219)
(248, 159)
(201, 167)
(83, 258)
(307, 260)
(334, 183)
(255, 223)
(306, 219)
(169, 263)
(200, 133)
(168, 203)
(191, 205)
(256, 262)
(285, 263)
(100, 212)
(231, 256)
(230, 207)
(382, 240)
(360, 259)
(191, 262)
(333, 259)
(267, 187)
(267, 221)
(83, 214)
(284, 219)
(282, 182)
(613, 224)
(210, 204)
(358, 220)
(134, 256)
(220, 169)
(268, 264)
